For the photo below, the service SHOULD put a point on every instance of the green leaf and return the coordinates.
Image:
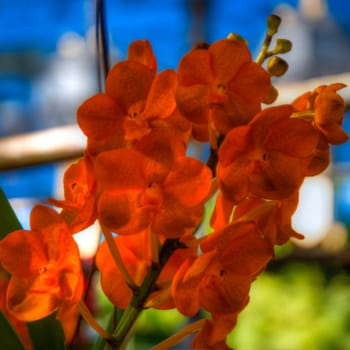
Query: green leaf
(46, 333)
(9, 338)
(8, 218)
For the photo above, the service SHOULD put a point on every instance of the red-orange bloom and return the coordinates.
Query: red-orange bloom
(138, 192)
(44, 264)
(328, 109)
(221, 85)
(78, 206)
(220, 279)
(269, 157)
(135, 97)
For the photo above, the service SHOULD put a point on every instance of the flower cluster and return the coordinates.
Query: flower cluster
(137, 179)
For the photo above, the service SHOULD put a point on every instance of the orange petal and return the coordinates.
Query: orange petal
(188, 181)
(193, 102)
(294, 137)
(224, 295)
(128, 82)
(121, 213)
(227, 58)
(141, 51)
(29, 301)
(185, 294)
(100, 116)
(222, 212)
(161, 98)
(195, 68)
(120, 169)
(22, 253)
(176, 220)
(43, 216)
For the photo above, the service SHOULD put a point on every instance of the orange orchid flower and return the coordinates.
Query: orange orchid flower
(44, 264)
(219, 280)
(139, 191)
(327, 110)
(79, 209)
(221, 85)
(269, 157)
(135, 97)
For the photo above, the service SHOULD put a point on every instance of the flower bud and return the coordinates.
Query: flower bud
(276, 66)
(273, 23)
(282, 46)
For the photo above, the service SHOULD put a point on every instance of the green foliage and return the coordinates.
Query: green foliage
(298, 308)
(9, 338)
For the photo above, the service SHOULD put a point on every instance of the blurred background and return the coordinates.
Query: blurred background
(48, 67)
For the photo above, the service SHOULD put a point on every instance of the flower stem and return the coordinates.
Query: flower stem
(126, 324)
(117, 258)
(179, 336)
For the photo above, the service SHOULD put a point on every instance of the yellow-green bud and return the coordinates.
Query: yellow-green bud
(273, 23)
(282, 46)
(276, 66)
(237, 37)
